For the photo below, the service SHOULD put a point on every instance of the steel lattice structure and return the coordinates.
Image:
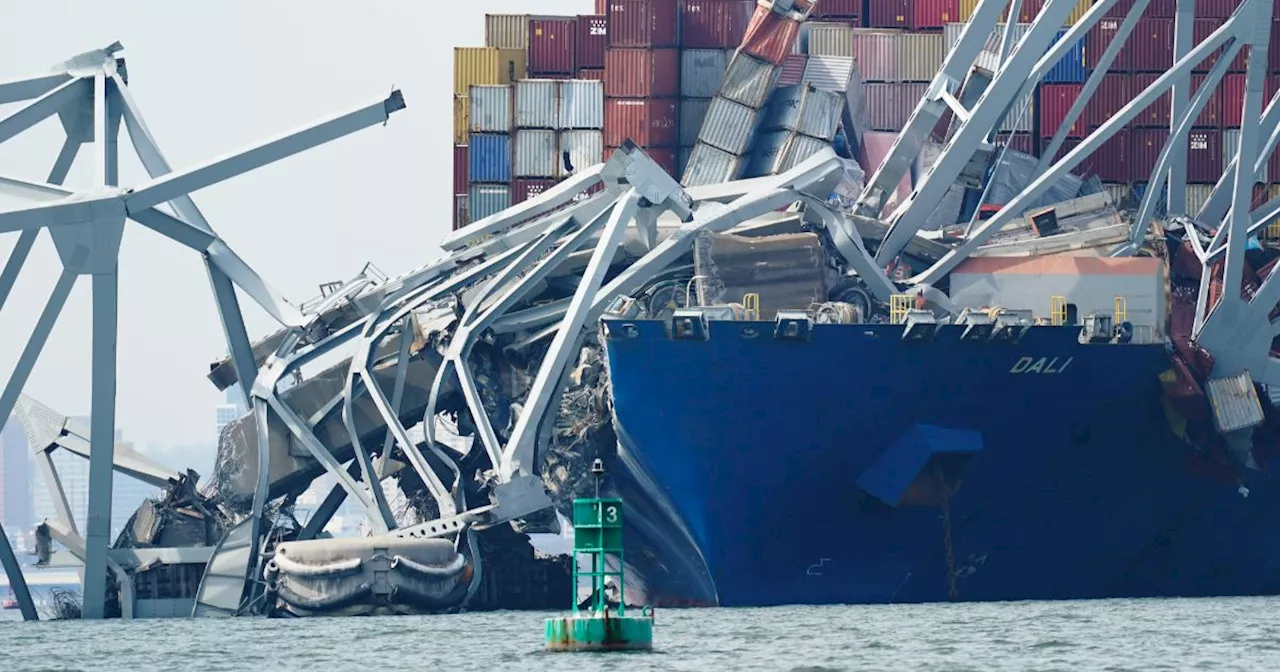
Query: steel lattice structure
(498, 260)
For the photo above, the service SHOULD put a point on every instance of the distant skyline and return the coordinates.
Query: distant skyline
(212, 78)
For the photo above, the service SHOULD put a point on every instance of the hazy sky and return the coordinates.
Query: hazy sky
(212, 77)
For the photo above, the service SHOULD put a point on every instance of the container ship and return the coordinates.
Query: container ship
(785, 436)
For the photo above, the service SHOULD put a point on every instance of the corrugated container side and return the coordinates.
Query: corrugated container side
(1211, 114)
(585, 149)
(708, 165)
(1019, 142)
(801, 148)
(1197, 196)
(523, 190)
(1158, 113)
(1078, 13)
(537, 102)
(553, 45)
(728, 126)
(792, 70)
(829, 73)
(478, 66)
(748, 80)
(1022, 114)
(535, 154)
(1110, 162)
(876, 52)
(506, 31)
(1232, 92)
(1097, 40)
(646, 122)
(889, 104)
(1235, 402)
(461, 175)
(770, 36)
(581, 104)
(701, 71)
(692, 113)
(1204, 155)
(485, 200)
(461, 119)
(890, 13)
(1231, 144)
(491, 109)
(643, 23)
(742, 11)
(1071, 69)
(460, 216)
(1150, 47)
(806, 110)
(768, 153)
(489, 157)
(830, 39)
(1216, 9)
(1145, 145)
(1163, 8)
(592, 74)
(932, 14)
(1113, 93)
(593, 39)
(642, 73)
(1273, 55)
(708, 24)
(920, 56)
(1055, 101)
(837, 9)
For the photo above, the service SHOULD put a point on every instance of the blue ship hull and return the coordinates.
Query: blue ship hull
(835, 470)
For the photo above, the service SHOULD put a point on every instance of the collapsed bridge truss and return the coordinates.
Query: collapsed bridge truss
(410, 341)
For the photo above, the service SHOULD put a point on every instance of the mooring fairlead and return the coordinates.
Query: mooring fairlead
(597, 533)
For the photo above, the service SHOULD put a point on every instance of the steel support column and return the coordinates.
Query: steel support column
(17, 582)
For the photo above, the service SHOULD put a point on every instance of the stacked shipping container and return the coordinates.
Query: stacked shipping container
(642, 77)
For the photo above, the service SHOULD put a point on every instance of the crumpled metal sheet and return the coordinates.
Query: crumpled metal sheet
(787, 271)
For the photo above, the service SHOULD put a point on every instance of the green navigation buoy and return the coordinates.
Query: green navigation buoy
(597, 532)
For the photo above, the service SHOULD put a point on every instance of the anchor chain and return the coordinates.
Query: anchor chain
(946, 532)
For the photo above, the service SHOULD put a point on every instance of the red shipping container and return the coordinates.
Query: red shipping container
(642, 73)
(552, 46)
(1218, 9)
(1273, 55)
(1110, 162)
(838, 9)
(643, 23)
(1029, 10)
(1084, 168)
(1204, 155)
(1157, 114)
(890, 13)
(1150, 47)
(1113, 93)
(663, 156)
(596, 74)
(1232, 92)
(461, 169)
(1144, 149)
(1055, 102)
(646, 122)
(1096, 41)
(712, 24)
(1019, 142)
(523, 190)
(1200, 32)
(934, 13)
(1211, 113)
(1165, 8)
(792, 71)
(770, 36)
(602, 6)
(593, 38)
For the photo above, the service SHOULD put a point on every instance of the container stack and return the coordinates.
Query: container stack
(710, 32)
(642, 78)
(722, 147)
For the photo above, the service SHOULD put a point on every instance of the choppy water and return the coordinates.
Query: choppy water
(1213, 634)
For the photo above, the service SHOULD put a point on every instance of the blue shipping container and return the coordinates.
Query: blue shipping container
(1070, 70)
(490, 157)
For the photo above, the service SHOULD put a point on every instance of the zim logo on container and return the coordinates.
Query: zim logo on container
(1040, 365)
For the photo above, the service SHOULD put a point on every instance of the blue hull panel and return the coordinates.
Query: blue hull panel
(795, 470)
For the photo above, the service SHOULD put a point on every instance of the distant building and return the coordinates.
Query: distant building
(233, 408)
(15, 478)
(73, 471)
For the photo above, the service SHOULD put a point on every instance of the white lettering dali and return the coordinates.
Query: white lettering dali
(1040, 365)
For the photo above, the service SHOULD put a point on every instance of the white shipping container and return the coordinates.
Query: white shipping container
(536, 103)
(876, 51)
(491, 109)
(486, 200)
(1231, 142)
(920, 56)
(708, 165)
(1235, 402)
(829, 73)
(830, 39)
(989, 58)
(1020, 114)
(748, 81)
(780, 151)
(728, 126)
(506, 31)
(581, 104)
(584, 149)
(701, 71)
(535, 153)
(806, 110)
(692, 113)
